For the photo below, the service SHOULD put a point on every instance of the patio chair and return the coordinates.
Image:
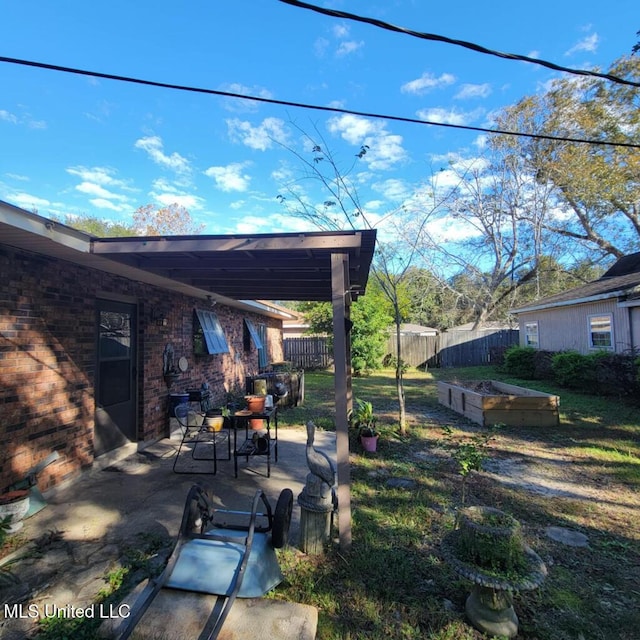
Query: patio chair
(197, 434)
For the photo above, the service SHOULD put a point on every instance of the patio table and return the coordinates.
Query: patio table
(258, 443)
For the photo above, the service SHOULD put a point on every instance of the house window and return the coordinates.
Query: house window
(600, 332)
(531, 334)
(208, 337)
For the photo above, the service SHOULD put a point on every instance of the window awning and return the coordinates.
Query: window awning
(253, 332)
(213, 334)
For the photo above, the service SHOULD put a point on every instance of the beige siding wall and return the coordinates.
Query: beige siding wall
(566, 328)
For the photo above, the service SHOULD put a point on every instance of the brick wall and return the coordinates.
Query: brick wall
(48, 359)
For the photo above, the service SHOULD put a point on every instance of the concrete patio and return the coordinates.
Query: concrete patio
(88, 523)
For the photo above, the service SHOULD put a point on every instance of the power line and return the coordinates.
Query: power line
(302, 105)
(460, 43)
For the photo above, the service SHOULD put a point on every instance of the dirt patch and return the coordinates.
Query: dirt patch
(485, 387)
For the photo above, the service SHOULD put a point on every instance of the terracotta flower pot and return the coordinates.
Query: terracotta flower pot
(255, 404)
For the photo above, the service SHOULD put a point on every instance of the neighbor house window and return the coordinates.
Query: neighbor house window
(531, 334)
(208, 336)
(600, 332)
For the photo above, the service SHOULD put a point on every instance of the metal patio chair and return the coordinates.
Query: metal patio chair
(197, 434)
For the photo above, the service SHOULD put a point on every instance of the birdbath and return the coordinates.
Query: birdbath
(488, 549)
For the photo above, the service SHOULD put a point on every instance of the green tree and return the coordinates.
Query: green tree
(596, 186)
(99, 227)
(371, 319)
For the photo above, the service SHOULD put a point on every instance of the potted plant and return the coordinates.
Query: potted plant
(364, 420)
(14, 505)
(489, 550)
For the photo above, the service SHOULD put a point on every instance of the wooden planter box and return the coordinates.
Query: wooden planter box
(519, 407)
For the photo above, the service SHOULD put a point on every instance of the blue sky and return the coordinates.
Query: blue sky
(73, 144)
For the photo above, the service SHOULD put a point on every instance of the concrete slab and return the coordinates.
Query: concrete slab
(109, 507)
(182, 615)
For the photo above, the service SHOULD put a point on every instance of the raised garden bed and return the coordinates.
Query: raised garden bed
(490, 402)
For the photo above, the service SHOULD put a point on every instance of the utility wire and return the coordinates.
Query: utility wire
(302, 105)
(460, 43)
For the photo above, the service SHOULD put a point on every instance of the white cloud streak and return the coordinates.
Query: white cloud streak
(427, 82)
(155, 149)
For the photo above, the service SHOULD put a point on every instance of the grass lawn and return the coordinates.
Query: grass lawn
(394, 583)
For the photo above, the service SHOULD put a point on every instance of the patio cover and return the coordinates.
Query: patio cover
(315, 266)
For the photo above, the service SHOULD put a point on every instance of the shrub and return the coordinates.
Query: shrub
(574, 370)
(543, 365)
(616, 373)
(520, 362)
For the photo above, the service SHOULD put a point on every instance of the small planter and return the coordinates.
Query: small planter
(16, 505)
(488, 549)
(257, 424)
(214, 422)
(255, 404)
(369, 443)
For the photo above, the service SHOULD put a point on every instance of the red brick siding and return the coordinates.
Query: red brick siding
(47, 359)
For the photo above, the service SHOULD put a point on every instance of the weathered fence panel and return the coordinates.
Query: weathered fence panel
(452, 349)
(308, 353)
(470, 348)
(416, 351)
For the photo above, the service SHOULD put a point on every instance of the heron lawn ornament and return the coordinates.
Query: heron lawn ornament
(318, 499)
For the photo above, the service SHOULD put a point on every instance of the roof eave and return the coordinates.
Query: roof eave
(567, 303)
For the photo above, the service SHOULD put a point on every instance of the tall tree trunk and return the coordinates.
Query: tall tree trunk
(402, 418)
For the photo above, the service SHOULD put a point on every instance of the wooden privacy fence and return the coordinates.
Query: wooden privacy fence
(449, 349)
(308, 353)
(453, 348)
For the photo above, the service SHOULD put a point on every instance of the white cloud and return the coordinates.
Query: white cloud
(28, 201)
(448, 116)
(17, 176)
(473, 91)
(154, 147)
(11, 118)
(239, 105)
(260, 137)
(251, 224)
(93, 189)
(8, 117)
(427, 82)
(102, 203)
(392, 189)
(590, 44)
(231, 177)
(349, 46)
(340, 31)
(98, 175)
(186, 200)
(384, 148)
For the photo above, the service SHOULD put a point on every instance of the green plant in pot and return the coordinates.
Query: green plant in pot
(364, 420)
(488, 549)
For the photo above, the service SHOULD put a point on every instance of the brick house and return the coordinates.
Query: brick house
(89, 327)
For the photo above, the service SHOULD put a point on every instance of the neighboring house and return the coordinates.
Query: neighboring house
(89, 327)
(410, 329)
(601, 315)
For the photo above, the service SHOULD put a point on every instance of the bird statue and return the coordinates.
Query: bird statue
(319, 462)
